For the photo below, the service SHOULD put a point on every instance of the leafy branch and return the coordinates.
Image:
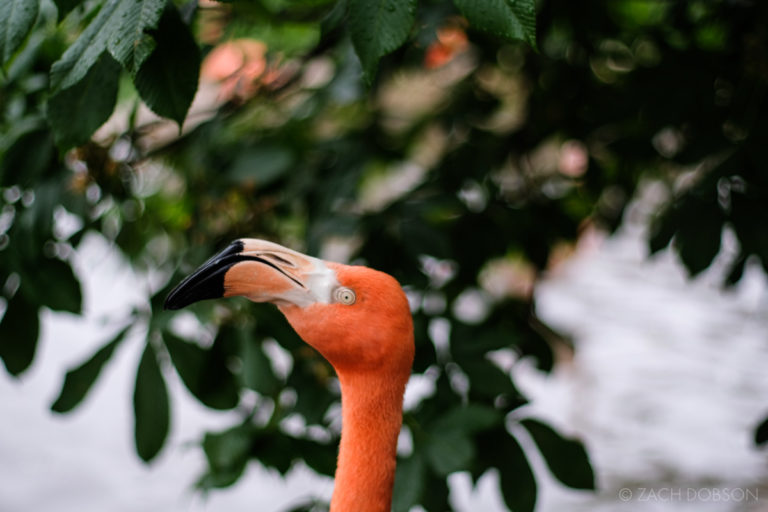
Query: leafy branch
(148, 40)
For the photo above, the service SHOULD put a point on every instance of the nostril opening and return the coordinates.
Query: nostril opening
(277, 259)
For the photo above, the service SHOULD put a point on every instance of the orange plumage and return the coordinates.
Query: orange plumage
(359, 320)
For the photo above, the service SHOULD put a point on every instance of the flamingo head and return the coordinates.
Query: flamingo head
(356, 317)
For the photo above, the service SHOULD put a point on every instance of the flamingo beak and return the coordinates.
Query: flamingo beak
(260, 271)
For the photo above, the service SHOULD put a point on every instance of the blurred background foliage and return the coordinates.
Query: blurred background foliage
(465, 163)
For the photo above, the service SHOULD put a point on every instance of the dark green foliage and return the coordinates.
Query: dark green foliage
(19, 329)
(204, 371)
(510, 19)
(18, 18)
(65, 6)
(78, 381)
(436, 496)
(379, 27)
(150, 406)
(51, 283)
(409, 482)
(448, 452)
(733, 193)
(28, 158)
(321, 457)
(311, 506)
(437, 172)
(761, 433)
(85, 52)
(89, 101)
(503, 452)
(167, 79)
(227, 453)
(566, 458)
(450, 446)
(150, 41)
(131, 44)
(257, 371)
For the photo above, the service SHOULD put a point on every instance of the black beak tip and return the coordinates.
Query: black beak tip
(207, 282)
(172, 302)
(189, 292)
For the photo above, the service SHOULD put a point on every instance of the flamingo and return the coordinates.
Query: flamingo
(359, 320)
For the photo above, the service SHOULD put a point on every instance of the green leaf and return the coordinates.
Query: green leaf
(79, 381)
(227, 453)
(696, 221)
(487, 379)
(761, 433)
(65, 6)
(19, 330)
(379, 27)
(753, 238)
(518, 485)
(204, 372)
(274, 449)
(313, 397)
(698, 238)
(468, 419)
(409, 483)
(131, 44)
(37, 221)
(87, 49)
(448, 452)
(334, 19)
(425, 355)
(510, 19)
(118, 28)
(53, 284)
(469, 341)
(320, 457)
(150, 406)
(310, 505)
(79, 110)
(16, 21)
(436, 499)
(736, 271)
(258, 374)
(167, 80)
(662, 230)
(566, 458)
(221, 479)
(28, 158)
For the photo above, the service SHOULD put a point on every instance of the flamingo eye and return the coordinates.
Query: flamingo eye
(345, 296)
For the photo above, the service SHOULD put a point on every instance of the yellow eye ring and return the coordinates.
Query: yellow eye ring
(344, 296)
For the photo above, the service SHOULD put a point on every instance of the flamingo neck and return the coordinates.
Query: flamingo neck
(372, 413)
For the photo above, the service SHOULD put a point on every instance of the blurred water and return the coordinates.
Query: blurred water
(666, 385)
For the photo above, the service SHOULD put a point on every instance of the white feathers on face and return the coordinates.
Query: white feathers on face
(312, 281)
(344, 296)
